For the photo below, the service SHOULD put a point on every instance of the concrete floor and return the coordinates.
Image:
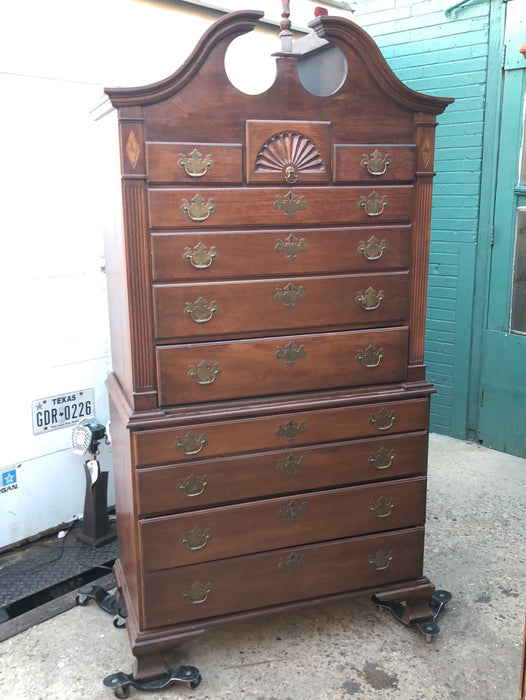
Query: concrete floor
(475, 550)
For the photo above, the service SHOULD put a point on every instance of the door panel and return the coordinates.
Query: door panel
(503, 390)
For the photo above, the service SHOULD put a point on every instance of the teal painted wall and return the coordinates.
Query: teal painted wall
(445, 55)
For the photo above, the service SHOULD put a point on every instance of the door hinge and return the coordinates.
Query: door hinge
(482, 397)
(491, 237)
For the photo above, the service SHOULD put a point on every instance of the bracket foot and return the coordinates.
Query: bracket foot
(428, 627)
(121, 682)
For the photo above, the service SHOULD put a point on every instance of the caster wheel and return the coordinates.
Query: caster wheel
(122, 692)
(81, 599)
(193, 684)
(119, 622)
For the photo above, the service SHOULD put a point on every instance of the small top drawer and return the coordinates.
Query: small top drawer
(189, 163)
(370, 163)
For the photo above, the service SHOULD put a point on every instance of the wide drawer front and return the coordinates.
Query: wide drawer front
(216, 371)
(266, 306)
(216, 254)
(238, 478)
(261, 580)
(277, 206)
(258, 526)
(207, 439)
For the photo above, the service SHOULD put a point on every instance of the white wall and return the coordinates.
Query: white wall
(55, 58)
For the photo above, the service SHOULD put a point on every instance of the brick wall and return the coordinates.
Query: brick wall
(444, 55)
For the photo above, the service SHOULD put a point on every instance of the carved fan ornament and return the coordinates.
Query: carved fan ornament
(290, 153)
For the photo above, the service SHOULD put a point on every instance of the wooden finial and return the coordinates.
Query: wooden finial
(285, 24)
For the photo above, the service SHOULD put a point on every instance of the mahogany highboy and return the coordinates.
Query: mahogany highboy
(269, 407)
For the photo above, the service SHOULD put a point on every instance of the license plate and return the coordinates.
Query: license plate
(63, 410)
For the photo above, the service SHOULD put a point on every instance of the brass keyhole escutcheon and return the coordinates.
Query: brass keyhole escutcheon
(290, 353)
(291, 246)
(292, 564)
(292, 511)
(291, 430)
(289, 295)
(291, 465)
(290, 204)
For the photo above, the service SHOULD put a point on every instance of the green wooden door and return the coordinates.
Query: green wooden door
(502, 416)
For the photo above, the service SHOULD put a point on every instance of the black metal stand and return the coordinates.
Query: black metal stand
(96, 526)
(106, 601)
(121, 682)
(429, 628)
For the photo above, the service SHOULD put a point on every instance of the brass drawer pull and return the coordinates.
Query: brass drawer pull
(193, 485)
(382, 508)
(191, 444)
(292, 564)
(290, 295)
(290, 204)
(373, 249)
(291, 246)
(205, 373)
(291, 465)
(292, 511)
(194, 164)
(197, 209)
(196, 538)
(381, 560)
(290, 353)
(291, 430)
(373, 205)
(382, 459)
(370, 299)
(376, 163)
(200, 257)
(198, 593)
(370, 357)
(382, 420)
(200, 311)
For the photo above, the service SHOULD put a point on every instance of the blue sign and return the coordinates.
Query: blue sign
(9, 478)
